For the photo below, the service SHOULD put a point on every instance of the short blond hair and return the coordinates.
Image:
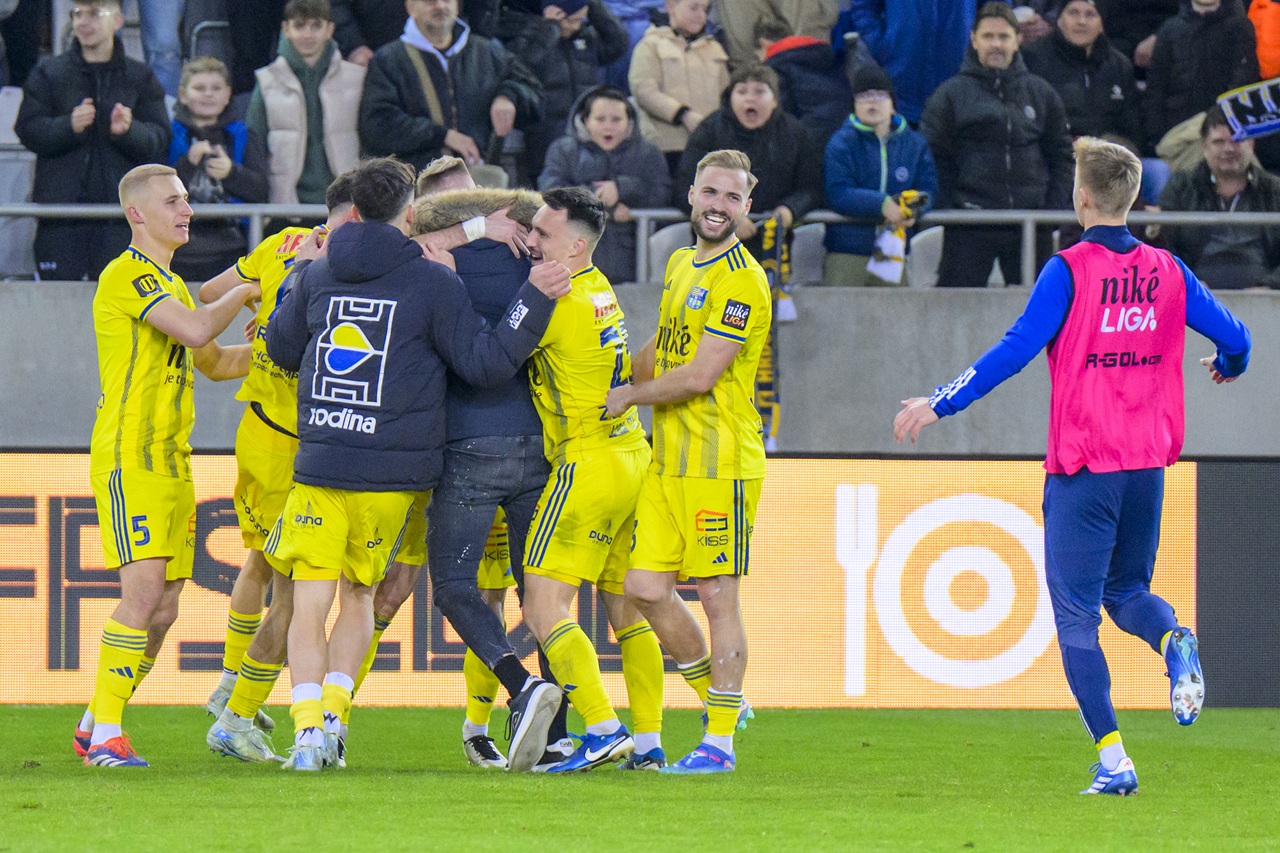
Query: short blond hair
(1111, 173)
(138, 177)
(203, 65)
(727, 158)
(433, 177)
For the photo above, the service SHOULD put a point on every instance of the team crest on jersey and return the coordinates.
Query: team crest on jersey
(736, 315)
(697, 296)
(351, 353)
(146, 285)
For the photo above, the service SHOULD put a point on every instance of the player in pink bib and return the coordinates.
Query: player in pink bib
(1111, 311)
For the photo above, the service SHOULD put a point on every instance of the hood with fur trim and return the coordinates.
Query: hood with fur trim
(452, 207)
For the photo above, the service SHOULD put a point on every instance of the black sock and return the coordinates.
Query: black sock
(560, 724)
(559, 729)
(511, 673)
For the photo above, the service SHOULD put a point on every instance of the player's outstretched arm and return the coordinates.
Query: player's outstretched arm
(220, 285)
(916, 414)
(220, 363)
(687, 381)
(643, 362)
(485, 356)
(197, 328)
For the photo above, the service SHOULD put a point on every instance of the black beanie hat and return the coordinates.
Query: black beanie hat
(872, 78)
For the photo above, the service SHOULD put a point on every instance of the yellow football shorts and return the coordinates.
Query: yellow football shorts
(495, 565)
(582, 527)
(264, 458)
(696, 526)
(324, 532)
(144, 515)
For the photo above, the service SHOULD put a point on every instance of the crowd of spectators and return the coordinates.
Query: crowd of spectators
(841, 104)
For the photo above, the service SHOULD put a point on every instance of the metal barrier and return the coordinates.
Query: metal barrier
(646, 218)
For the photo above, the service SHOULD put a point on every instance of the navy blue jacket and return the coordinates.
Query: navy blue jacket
(493, 276)
(370, 328)
(919, 42)
(861, 170)
(814, 88)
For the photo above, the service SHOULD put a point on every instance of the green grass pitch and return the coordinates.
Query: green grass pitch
(808, 780)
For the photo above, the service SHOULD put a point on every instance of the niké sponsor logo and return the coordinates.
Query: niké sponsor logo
(1129, 293)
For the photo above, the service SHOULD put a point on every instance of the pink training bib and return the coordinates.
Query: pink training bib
(1116, 364)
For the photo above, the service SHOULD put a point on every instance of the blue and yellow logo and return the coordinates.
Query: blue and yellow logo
(350, 348)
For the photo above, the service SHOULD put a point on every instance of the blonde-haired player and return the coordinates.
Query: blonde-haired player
(150, 335)
(266, 443)
(697, 508)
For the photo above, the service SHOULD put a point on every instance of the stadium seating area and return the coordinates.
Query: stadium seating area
(688, 69)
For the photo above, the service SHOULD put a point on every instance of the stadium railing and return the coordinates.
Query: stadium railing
(647, 218)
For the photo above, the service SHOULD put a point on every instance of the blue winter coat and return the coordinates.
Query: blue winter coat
(371, 327)
(861, 170)
(919, 42)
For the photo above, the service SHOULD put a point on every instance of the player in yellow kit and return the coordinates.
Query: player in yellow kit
(582, 528)
(697, 508)
(150, 335)
(266, 443)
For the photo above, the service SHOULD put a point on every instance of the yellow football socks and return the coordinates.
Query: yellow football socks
(698, 674)
(380, 624)
(308, 714)
(482, 687)
(574, 662)
(240, 630)
(722, 713)
(642, 671)
(118, 660)
(144, 667)
(253, 686)
(335, 700)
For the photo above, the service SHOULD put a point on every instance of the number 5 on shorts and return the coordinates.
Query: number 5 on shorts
(140, 527)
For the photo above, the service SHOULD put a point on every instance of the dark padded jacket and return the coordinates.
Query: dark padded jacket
(814, 87)
(493, 276)
(1194, 190)
(370, 328)
(1097, 90)
(1000, 139)
(1197, 58)
(1129, 22)
(566, 67)
(636, 165)
(88, 166)
(395, 118)
(784, 156)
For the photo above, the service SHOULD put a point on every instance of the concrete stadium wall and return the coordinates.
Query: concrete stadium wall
(851, 355)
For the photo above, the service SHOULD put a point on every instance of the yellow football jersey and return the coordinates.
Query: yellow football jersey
(147, 409)
(581, 356)
(269, 385)
(717, 434)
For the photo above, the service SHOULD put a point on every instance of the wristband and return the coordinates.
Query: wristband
(679, 115)
(474, 228)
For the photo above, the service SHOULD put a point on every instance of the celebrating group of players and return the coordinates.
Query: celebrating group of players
(438, 360)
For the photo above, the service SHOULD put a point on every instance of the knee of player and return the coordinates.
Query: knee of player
(1080, 633)
(646, 591)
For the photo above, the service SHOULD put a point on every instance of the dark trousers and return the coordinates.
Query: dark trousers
(75, 249)
(1101, 532)
(480, 475)
(969, 250)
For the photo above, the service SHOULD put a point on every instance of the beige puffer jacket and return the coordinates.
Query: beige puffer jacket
(667, 73)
